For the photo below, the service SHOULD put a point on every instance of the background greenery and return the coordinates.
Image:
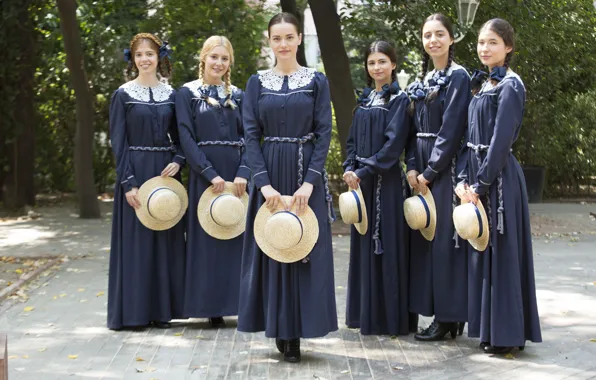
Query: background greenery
(556, 58)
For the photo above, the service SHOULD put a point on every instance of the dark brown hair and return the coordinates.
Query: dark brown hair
(383, 47)
(281, 18)
(164, 66)
(503, 29)
(444, 20)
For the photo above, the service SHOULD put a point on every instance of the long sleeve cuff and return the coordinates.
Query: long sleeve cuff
(129, 183)
(179, 159)
(312, 175)
(480, 188)
(364, 172)
(430, 174)
(261, 179)
(209, 173)
(411, 164)
(243, 172)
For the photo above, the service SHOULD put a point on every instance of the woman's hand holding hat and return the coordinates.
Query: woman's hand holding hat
(351, 179)
(240, 184)
(218, 184)
(131, 198)
(301, 197)
(272, 197)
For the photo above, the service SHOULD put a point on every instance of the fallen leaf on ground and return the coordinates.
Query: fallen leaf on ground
(399, 368)
(80, 289)
(29, 308)
(139, 359)
(25, 356)
(200, 337)
(179, 334)
(345, 371)
(83, 301)
(13, 357)
(41, 349)
(55, 297)
(19, 271)
(62, 295)
(509, 356)
(99, 294)
(593, 340)
(73, 356)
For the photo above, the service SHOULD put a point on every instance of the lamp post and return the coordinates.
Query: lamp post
(466, 11)
(403, 78)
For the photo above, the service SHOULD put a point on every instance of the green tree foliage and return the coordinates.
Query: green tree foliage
(555, 57)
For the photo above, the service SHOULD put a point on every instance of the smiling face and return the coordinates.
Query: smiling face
(217, 64)
(436, 39)
(379, 67)
(146, 58)
(284, 40)
(491, 48)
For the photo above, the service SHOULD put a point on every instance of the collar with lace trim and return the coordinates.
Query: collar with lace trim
(511, 75)
(161, 92)
(273, 81)
(198, 84)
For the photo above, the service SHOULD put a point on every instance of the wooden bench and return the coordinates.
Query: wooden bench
(3, 357)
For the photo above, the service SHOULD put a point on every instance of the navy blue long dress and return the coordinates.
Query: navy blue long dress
(288, 301)
(146, 278)
(377, 300)
(502, 306)
(438, 268)
(212, 265)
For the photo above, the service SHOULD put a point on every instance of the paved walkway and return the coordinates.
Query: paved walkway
(59, 332)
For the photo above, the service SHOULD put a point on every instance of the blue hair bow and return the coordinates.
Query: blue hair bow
(498, 73)
(416, 91)
(439, 78)
(127, 56)
(388, 90)
(165, 51)
(364, 95)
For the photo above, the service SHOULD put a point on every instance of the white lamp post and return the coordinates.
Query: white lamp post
(403, 78)
(466, 11)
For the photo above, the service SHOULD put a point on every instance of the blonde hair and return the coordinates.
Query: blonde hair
(211, 43)
(164, 66)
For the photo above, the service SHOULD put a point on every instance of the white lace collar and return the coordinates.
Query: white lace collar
(377, 100)
(511, 75)
(273, 81)
(161, 92)
(195, 85)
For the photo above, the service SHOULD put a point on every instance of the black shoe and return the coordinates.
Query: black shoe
(217, 322)
(129, 328)
(483, 344)
(161, 325)
(499, 350)
(281, 345)
(461, 328)
(437, 331)
(292, 351)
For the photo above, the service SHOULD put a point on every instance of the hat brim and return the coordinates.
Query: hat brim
(206, 221)
(429, 232)
(143, 195)
(481, 243)
(310, 233)
(362, 226)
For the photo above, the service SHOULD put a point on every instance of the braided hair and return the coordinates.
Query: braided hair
(209, 44)
(164, 66)
(446, 22)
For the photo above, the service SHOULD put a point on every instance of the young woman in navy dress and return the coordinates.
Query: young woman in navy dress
(438, 268)
(146, 277)
(211, 135)
(377, 301)
(289, 108)
(502, 291)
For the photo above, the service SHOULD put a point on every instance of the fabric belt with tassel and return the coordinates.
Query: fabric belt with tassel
(478, 149)
(301, 141)
(453, 180)
(377, 233)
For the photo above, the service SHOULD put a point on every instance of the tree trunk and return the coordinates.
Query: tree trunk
(291, 7)
(18, 182)
(83, 157)
(337, 65)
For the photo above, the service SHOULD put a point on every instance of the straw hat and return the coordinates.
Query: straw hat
(471, 224)
(421, 214)
(223, 215)
(353, 210)
(285, 236)
(163, 203)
